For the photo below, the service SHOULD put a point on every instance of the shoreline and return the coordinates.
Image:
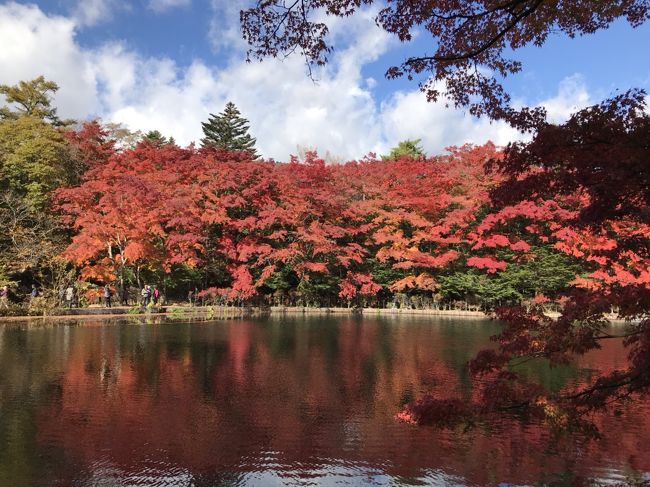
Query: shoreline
(229, 312)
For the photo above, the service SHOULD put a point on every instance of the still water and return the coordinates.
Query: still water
(279, 401)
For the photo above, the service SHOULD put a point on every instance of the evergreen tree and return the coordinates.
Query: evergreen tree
(156, 138)
(406, 148)
(228, 130)
(33, 99)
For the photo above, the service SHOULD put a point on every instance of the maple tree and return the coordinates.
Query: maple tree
(302, 231)
(134, 212)
(580, 188)
(263, 228)
(542, 228)
(90, 145)
(472, 40)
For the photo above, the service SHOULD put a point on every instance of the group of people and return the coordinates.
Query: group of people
(148, 295)
(68, 296)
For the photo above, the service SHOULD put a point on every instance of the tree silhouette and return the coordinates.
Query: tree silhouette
(472, 42)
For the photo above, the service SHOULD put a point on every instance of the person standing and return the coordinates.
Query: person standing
(123, 295)
(69, 296)
(4, 297)
(34, 293)
(156, 295)
(107, 296)
(146, 295)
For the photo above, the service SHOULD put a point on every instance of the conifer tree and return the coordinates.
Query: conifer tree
(156, 138)
(406, 148)
(228, 130)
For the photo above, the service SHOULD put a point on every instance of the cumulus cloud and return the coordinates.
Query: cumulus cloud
(34, 44)
(339, 113)
(408, 116)
(164, 5)
(286, 109)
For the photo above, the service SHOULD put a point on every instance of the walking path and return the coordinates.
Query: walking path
(229, 312)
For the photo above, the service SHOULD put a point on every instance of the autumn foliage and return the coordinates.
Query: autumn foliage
(525, 232)
(581, 188)
(301, 226)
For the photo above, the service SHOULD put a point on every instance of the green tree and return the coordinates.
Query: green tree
(157, 138)
(229, 131)
(406, 148)
(31, 98)
(549, 272)
(34, 159)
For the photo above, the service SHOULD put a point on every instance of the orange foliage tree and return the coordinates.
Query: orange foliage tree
(581, 188)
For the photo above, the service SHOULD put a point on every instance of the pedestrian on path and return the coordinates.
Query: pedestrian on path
(107, 296)
(146, 295)
(69, 296)
(4, 297)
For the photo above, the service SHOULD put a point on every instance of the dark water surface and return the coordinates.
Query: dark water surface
(281, 401)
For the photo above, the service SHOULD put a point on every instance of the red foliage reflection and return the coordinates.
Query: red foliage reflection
(302, 395)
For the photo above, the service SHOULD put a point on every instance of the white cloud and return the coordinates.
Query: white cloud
(408, 116)
(285, 107)
(164, 5)
(34, 44)
(339, 113)
(92, 12)
(572, 96)
(224, 33)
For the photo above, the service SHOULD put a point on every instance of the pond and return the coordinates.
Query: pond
(279, 401)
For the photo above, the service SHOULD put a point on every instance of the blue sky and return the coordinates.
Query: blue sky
(166, 64)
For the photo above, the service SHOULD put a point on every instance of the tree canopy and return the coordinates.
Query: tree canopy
(579, 188)
(406, 148)
(35, 159)
(559, 223)
(157, 138)
(31, 98)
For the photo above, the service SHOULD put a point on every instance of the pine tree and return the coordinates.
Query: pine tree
(228, 130)
(156, 138)
(406, 148)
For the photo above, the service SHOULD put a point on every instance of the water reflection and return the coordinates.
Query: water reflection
(299, 401)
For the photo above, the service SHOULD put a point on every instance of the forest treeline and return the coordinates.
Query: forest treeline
(90, 204)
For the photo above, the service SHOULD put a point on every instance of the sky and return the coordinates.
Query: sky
(167, 64)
